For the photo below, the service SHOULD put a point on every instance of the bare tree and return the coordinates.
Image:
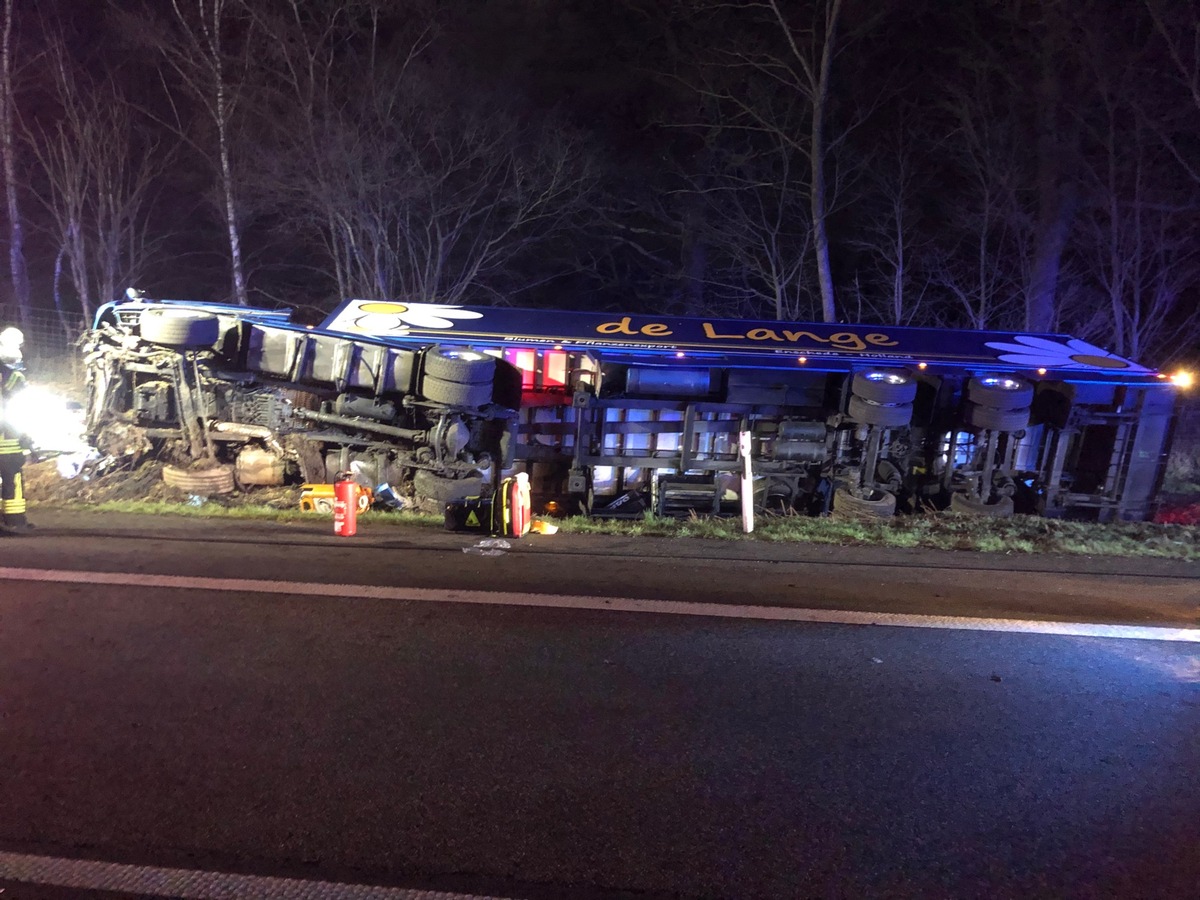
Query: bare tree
(797, 67)
(757, 225)
(100, 174)
(208, 50)
(811, 77)
(416, 189)
(1145, 263)
(649, 244)
(980, 248)
(1057, 160)
(1140, 235)
(1025, 57)
(1178, 25)
(8, 158)
(321, 59)
(437, 208)
(889, 233)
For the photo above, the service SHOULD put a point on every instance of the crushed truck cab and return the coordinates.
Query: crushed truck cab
(280, 402)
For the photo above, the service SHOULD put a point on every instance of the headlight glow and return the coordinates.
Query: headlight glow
(51, 422)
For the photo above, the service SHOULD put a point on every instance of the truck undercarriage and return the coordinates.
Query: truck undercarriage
(234, 395)
(251, 399)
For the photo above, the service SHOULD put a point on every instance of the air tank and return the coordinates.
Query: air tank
(673, 382)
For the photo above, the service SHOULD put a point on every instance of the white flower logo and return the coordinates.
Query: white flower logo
(376, 317)
(1043, 353)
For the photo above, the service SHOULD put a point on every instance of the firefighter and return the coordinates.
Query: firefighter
(13, 444)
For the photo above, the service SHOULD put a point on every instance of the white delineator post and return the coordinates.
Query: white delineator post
(744, 448)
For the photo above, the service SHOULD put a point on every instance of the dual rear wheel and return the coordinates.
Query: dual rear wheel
(994, 403)
(458, 377)
(882, 398)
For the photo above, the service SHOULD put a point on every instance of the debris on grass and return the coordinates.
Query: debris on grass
(1179, 515)
(1175, 535)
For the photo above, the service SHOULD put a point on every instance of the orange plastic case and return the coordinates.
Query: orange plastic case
(320, 497)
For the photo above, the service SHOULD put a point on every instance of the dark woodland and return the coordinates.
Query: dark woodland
(999, 164)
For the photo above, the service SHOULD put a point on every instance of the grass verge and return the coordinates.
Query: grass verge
(935, 531)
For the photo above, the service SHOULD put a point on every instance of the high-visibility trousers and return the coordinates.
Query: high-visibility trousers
(12, 491)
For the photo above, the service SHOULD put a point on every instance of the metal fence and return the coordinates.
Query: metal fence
(48, 337)
(50, 348)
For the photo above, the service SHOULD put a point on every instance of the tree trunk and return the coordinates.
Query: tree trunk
(820, 232)
(8, 152)
(222, 117)
(1056, 196)
(235, 243)
(695, 261)
(898, 280)
(820, 204)
(76, 251)
(58, 307)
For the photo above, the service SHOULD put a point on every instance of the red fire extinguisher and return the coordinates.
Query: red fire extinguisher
(345, 505)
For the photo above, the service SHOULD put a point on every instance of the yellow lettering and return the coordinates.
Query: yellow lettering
(762, 334)
(847, 340)
(880, 340)
(621, 327)
(625, 326)
(794, 336)
(711, 333)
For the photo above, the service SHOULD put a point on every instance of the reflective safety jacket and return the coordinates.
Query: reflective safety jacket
(12, 379)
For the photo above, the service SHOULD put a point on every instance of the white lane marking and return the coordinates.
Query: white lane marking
(612, 604)
(189, 884)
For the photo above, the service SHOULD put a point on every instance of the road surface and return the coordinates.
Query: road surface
(247, 721)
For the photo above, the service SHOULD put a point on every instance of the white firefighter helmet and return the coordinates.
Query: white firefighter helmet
(11, 340)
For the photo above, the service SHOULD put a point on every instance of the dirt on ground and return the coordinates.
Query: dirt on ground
(143, 482)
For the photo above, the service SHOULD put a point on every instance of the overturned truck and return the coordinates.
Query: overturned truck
(616, 414)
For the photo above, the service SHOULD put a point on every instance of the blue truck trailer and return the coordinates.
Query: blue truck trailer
(615, 413)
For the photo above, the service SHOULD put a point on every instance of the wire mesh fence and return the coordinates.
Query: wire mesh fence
(50, 336)
(50, 347)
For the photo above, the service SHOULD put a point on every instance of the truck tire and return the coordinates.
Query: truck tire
(462, 366)
(882, 506)
(961, 503)
(999, 392)
(440, 489)
(990, 419)
(201, 482)
(868, 412)
(183, 328)
(452, 393)
(886, 386)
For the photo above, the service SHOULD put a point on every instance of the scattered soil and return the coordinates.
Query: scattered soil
(144, 482)
(44, 484)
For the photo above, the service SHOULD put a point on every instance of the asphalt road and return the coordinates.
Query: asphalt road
(533, 752)
(1075, 588)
